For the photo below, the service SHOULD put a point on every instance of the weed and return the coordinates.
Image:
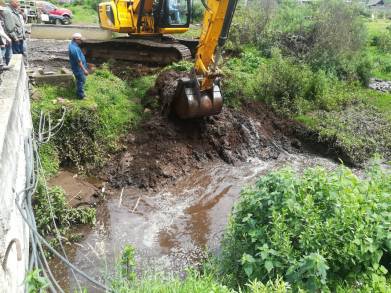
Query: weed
(35, 282)
(315, 230)
(64, 215)
(49, 159)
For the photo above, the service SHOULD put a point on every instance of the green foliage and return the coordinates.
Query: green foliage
(92, 126)
(239, 81)
(276, 286)
(64, 215)
(183, 65)
(363, 133)
(327, 35)
(317, 230)
(194, 282)
(35, 282)
(49, 159)
(128, 263)
(84, 13)
(285, 85)
(197, 11)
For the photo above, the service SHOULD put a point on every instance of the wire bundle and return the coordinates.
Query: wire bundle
(23, 199)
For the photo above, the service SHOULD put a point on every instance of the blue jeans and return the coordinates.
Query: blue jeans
(80, 81)
(2, 56)
(8, 54)
(17, 47)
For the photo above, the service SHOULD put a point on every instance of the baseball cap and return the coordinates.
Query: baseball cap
(77, 36)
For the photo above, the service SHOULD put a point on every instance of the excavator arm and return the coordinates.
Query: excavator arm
(200, 95)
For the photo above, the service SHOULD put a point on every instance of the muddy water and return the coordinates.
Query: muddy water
(171, 229)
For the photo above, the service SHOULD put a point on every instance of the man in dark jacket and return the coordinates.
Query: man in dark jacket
(14, 26)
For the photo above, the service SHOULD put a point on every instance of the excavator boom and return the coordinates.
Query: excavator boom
(200, 95)
(147, 22)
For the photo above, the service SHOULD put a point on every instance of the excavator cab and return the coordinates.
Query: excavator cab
(173, 14)
(145, 17)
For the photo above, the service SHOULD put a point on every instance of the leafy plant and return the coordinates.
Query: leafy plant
(35, 282)
(128, 263)
(64, 215)
(314, 230)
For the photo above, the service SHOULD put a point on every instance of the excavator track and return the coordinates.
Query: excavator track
(161, 51)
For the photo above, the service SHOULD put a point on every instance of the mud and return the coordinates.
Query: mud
(79, 190)
(164, 148)
(51, 55)
(166, 86)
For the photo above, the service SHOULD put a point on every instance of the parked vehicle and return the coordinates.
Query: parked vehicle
(55, 15)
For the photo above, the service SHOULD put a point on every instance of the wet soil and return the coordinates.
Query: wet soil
(79, 191)
(164, 149)
(52, 55)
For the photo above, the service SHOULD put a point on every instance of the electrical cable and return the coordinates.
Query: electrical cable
(33, 170)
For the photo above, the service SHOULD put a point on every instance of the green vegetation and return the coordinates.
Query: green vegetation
(92, 126)
(317, 231)
(35, 282)
(91, 130)
(312, 64)
(83, 14)
(64, 216)
(322, 231)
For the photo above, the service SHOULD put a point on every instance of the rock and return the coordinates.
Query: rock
(380, 85)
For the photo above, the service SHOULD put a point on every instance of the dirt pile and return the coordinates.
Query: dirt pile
(165, 148)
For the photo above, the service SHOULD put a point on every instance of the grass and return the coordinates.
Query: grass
(92, 126)
(83, 14)
(194, 32)
(377, 26)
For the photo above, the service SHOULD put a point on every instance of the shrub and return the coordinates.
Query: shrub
(249, 24)
(317, 230)
(64, 215)
(327, 35)
(240, 81)
(286, 85)
(383, 42)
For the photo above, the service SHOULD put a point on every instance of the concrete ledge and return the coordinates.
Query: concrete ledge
(65, 32)
(15, 129)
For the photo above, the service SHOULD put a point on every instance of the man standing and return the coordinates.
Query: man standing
(4, 42)
(7, 52)
(14, 26)
(78, 64)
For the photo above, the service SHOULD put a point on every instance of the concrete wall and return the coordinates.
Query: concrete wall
(15, 127)
(65, 32)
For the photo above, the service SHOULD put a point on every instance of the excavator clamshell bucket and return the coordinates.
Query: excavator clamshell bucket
(189, 102)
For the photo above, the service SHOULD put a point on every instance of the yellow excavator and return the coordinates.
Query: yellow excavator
(149, 25)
